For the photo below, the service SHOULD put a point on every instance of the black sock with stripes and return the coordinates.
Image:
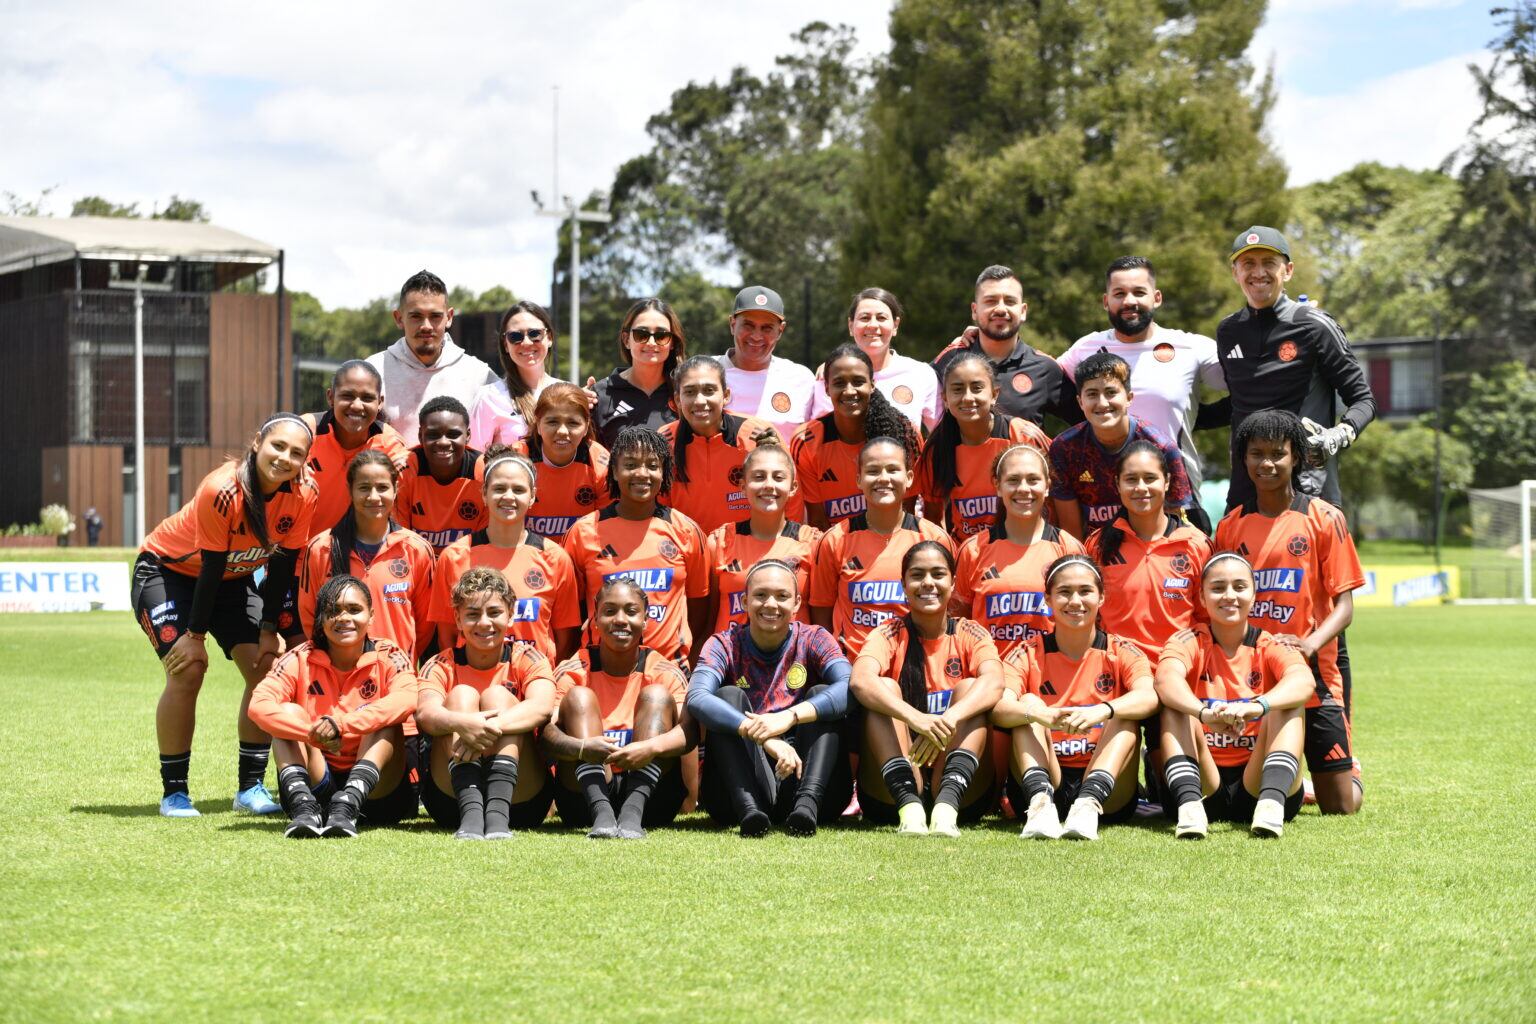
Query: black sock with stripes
(360, 782)
(1182, 774)
(1279, 776)
(1035, 782)
(594, 786)
(1097, 786)
(253, 763)
(500, 782)
(959, 768)
(469, 790)
(899, 779)
(173, 772)
(293, 789)
(639, 784)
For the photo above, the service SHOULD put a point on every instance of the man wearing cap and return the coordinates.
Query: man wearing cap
(774, 389)
(1277, 353)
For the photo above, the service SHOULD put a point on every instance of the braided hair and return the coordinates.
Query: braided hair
(939, 452)
(251, 501)
(328, 602)
(684, 435)
(881, 418)
(643, 441)
(344, 533)
(913, 678)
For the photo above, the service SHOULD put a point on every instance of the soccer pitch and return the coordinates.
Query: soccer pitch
(1421, 908)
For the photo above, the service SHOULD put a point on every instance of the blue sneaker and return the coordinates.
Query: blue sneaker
(256, 800)
(178, 805)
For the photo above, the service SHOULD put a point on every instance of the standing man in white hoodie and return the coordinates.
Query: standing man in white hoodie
(426, 362)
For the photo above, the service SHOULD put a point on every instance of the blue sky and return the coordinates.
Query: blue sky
(370, 146)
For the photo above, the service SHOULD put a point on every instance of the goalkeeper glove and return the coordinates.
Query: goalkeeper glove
(1323, 443)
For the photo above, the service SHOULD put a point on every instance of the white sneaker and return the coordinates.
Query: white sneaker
(1268, 819)
(1042, 821)
(910, 821)
(1192, 821)
(944, 821)
(1082, 819)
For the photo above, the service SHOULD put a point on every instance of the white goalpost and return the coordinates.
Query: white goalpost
(1503, 544)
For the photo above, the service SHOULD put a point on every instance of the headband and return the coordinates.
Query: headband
(509, 457)
(1218, 556)
(772, 563)
(287, 416)
(1075, 560)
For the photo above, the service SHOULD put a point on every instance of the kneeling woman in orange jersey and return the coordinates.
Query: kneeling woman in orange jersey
(1246, 689)
(621, 727)
(1074, 699)
(334, 707)
(926, 681)
(479, 706)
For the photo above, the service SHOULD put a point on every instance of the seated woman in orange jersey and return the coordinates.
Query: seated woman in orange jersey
(621, 728)
(926, 682)
(826, 450)
(1151, 560)
(1246, 689)
(659, 548)
(856, 576)
(1074, 699)
(1000, 572)
(952, 475)
(768, 479)
(709, 446)
(440, 495)
(349, 425)
(195, 574)
(773, 694)
(479, 706)
(334, 707)
(572, 467)
(394, 562)
(545, 610)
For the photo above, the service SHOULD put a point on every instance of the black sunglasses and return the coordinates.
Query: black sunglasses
(640, 334)
(532, 334)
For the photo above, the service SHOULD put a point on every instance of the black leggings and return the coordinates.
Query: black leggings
(737, 774)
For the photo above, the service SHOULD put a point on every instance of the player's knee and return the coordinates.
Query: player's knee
(578, 702)
(736, 697)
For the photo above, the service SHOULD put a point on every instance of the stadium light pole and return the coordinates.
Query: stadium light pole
(575, 215)
(138, 285)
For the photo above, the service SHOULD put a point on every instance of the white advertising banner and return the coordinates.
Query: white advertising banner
(64, 587)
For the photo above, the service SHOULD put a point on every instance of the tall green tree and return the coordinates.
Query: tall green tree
(1053, 136)
(97, 206)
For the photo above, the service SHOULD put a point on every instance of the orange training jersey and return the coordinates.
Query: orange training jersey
(731, 551)
(958, 654)
(617, 697)
(214, 520)
(1151, 590)
(563, 494)
(663, 554)
(828, 469)
(1258, 665)
(521, 664)
(399, 579)
(972, 506)
(1003, 583)
(542, 578)
(303, 686)
(1107, 670)
(712, 494)
(857, 573)
(441, 513)
(1302, 559)
(328, 462)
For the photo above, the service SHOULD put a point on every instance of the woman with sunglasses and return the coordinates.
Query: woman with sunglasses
(639, 393)
(502, 413)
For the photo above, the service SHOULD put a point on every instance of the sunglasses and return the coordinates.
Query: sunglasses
(533, 334)
(641, 335)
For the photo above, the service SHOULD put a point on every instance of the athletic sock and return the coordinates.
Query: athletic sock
(470, 792)
(173, 772)
(500, 782)
(1097, 786)
(253, 763)
(1036, 782)
(639, 784)
(1279, 776)
(959, 768)
(594, 786)
(899, 779)
(360, 782)
(1182, 774)
(293, 784)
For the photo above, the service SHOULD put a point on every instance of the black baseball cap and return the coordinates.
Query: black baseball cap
(757, 297)
(1260, 237)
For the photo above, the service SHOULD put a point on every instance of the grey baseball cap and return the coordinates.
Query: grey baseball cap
(1261, 237)
(757, 297)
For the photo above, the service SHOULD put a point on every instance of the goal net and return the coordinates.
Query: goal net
(1503, 544)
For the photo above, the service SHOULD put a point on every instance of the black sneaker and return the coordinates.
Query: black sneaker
(306, 824)
(342, 823)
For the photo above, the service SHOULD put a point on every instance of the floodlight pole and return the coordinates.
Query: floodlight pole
(571, 213)
(139, 285)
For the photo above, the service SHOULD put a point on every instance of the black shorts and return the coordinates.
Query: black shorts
(162, 602)
(1233, 802)
(661, 809)
(1066, 794)
(398, 805)
(443, 808)
(878, 812)
(1327, 744)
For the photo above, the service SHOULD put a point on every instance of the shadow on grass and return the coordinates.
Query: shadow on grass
(128, 810)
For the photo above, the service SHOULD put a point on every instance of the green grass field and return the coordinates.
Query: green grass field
(1421, 908)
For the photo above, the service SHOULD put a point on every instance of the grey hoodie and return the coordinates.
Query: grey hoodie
(408, 385)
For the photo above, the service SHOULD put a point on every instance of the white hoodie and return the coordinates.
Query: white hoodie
(408, 384)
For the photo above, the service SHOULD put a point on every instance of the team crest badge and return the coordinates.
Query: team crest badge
(369, 689)
(1180, 564)
(585, 496)
(761, 299)
(780, 400)
(1252, 239)
(736, 476)
(1022, 383)
(1253, 681)
(1105, 683)
(952, 668)
(533, 579)
(284, 524)
(1163, 353)
(1298, 545)
(1287, 351)
(796, 677)
(668, 549)
(398, 569)
(167, 633)
(901, 395)
(468, 511)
